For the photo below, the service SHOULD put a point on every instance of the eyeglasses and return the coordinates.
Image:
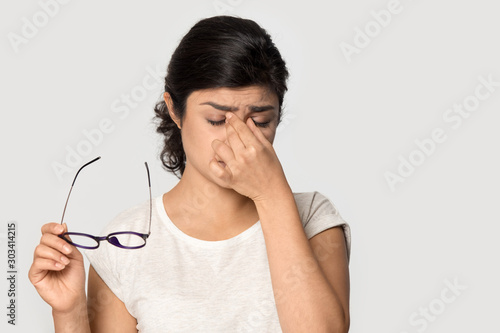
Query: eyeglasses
(121, 239)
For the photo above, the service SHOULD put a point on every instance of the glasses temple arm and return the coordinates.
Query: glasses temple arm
(66, 204)
(150, 198)
(74, 180)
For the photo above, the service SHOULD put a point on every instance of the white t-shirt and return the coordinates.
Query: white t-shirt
(178, 283)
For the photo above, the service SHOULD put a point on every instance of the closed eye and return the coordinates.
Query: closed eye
(266, 124)
(216, 123)
(221, 122)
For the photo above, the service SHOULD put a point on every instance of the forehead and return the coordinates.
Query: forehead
(236, 97)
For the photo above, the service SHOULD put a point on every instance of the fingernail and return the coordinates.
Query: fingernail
(66, 249)
(65, 260)
(59, 265)
(229, 115)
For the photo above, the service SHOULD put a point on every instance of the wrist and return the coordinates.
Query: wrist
(274, 196)
(79, 309)
(74, 321)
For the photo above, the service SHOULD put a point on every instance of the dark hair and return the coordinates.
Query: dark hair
(221, 51)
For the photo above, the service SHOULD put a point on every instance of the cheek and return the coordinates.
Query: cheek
(197, 140)
(269, 132)
(270, 136)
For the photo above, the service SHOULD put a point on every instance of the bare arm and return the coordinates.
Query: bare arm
(311, 287)
(107, 313)
(310, 296)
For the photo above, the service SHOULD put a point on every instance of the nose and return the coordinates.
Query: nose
(244, 117)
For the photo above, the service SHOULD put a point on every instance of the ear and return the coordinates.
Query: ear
(170, 105)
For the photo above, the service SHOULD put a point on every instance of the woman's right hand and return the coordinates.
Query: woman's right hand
(58, 272)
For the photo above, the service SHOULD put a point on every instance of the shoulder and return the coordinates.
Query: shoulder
(318, 213)
(313, 205)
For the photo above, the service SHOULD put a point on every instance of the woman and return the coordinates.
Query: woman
(232, 248)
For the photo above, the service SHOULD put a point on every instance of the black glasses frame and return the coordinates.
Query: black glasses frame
(111, 238)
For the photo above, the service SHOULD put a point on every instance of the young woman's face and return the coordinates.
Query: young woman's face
(205, 115)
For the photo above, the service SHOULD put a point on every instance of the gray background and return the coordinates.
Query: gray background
(347, 123)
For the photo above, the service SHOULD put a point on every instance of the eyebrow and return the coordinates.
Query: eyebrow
(253, 108)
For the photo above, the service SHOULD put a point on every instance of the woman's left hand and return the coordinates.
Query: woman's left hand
(251, 166)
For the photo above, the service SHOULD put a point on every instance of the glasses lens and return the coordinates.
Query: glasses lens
(82, 240)
(126, 239)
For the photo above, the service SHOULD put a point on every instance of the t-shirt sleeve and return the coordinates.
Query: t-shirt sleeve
(318, 214)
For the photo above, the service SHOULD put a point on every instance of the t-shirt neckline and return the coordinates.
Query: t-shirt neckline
(201, 242)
